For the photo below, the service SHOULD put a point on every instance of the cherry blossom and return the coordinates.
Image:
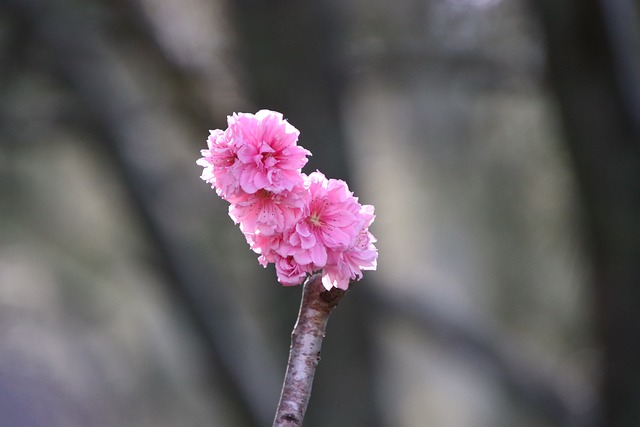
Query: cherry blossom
(302, 224)
(347, 265)
(268, 213)
(221, 165)
(331, 223)
(289, 272)
(267, 150)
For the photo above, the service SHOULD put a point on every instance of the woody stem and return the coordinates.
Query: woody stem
(304, 354)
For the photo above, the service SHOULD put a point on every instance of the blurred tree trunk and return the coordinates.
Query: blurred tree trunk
(592, 59)
(292, 64)
(117, 112)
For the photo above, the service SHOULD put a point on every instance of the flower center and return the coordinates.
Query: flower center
(226, 161)
(315, 220)
(264, 194)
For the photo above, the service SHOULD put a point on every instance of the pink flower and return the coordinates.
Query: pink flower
(347, 265)
(265, 246)
(256, 152)
(331, 221)
(220, 163)
(289, 272)
(268, 213)
(300, 223)
(267, 150)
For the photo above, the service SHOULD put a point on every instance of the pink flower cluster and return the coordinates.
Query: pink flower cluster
(301, 223)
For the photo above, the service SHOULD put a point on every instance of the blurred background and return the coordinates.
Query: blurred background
(497, 139)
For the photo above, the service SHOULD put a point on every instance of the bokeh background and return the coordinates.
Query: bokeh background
(498, 140)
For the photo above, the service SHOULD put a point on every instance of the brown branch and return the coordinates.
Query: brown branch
(304, 355)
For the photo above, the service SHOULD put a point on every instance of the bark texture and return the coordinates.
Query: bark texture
(304, 355)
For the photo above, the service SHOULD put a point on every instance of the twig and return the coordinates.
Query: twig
(304, 355)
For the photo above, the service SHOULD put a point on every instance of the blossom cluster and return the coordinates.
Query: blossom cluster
(300, 223)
